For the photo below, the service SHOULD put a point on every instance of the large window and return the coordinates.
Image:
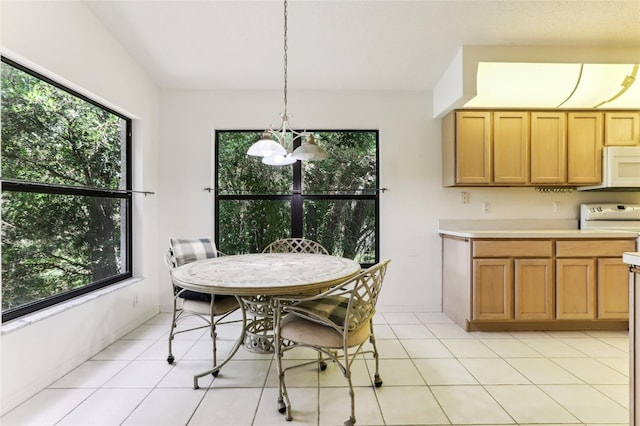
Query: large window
(66, 194)
(334, 202)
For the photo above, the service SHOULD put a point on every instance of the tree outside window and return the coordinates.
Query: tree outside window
(334, 202)
(66, 208)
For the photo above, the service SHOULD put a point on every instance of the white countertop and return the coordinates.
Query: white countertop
(632, 258)
(536, 233)
(525, 228)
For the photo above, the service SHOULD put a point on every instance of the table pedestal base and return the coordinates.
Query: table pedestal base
(259, 335)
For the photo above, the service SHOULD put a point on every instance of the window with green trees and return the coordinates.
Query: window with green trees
(334, 202)
(66, 194)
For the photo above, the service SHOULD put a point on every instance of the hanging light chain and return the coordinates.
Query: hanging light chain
(285, 60)
(273, 146)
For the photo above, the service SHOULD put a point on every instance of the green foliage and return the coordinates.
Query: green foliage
(344, 227)
(51, 136)
(239, 173)
(255, 200)
(55, 242)
(248, 225)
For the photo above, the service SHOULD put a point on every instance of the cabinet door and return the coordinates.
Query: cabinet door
(510, 147)
(548, 148)
(575, 289)
(473, 147)
(584, 148)
(621, 128)
(492, 289)
(613, 289)
(533, 289)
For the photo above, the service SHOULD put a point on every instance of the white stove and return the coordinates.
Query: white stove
(610, 216)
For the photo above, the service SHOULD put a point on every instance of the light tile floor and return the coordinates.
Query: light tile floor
(434, 373)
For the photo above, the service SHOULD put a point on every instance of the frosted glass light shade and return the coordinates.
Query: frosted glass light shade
(266, 147)
(279, 160)
(309, 151)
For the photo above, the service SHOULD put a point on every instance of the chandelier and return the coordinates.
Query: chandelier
(275, 145)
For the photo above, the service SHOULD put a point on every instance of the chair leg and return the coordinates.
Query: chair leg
(321, 362)
(347, 373)
(377, 381)
(284, 404)
(170, 358)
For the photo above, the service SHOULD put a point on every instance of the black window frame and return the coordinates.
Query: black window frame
(297, 198)
(13, 185)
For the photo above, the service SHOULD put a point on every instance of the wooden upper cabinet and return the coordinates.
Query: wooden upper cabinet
(621, 128)
(531, 148)
(548, 147)
(473, 147)
(510, 147)
(584, 147)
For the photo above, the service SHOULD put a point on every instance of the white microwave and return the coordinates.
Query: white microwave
(620, 169)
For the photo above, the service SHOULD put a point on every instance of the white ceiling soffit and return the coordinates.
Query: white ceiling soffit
(543, 85)
(539, 77)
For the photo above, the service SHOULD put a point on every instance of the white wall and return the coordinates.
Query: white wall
(410, 153)
(64, 41)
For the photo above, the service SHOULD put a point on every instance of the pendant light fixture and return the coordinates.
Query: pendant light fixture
(274, 143)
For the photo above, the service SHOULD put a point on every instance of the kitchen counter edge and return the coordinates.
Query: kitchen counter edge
(537, 233)
(631, 258)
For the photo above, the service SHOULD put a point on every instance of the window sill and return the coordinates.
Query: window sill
(35, 317)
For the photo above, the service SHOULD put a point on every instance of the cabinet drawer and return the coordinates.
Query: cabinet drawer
(594, 248)
(512, 248)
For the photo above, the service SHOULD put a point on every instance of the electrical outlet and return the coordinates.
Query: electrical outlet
(135, 300)
(556, 207)
(485, 207)
(464, 197)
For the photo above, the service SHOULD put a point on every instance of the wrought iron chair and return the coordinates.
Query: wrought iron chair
(259, 337)
(212, 309)
(295, 245)
(336, 323)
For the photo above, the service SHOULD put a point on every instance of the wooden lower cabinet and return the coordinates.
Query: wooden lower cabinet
(533, 289)
(492, 289)
(506, 289)
(575, 289)
(536, 284)
(613, 289)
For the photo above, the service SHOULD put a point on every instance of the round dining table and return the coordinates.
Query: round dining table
(254, 279)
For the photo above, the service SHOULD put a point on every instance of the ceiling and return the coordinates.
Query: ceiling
(346, 44)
